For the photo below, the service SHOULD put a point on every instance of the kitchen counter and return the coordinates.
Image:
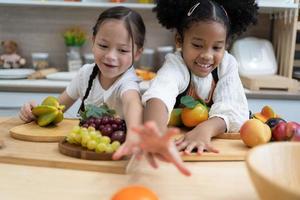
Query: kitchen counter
(39, 85)
(209, 180)
(44, 85)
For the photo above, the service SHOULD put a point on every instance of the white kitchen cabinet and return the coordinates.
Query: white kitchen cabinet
(11, 102)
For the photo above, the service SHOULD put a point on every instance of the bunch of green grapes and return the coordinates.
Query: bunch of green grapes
(92, 139)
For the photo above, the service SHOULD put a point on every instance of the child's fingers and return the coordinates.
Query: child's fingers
(27, 110)
(137, 130)
(33, 104)
(182, 145)
(139, 155)
(175, 158)
(151, 160)
(22, 117)
(178, 141)
(190, 148)
(123, 150)
(161, 157)
(152, 128)
(210, 148)
(170, 134)
(200, 149)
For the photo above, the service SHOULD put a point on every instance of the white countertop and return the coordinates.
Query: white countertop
(44, 85)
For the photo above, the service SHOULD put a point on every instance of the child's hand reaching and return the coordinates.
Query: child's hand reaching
(26, 113)
(195, 139)
(160, 147)
(129, 147)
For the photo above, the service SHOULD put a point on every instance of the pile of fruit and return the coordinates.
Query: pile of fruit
(92, 139)
(49, 112)
(144, 74)
(99, 130)
(268, 126)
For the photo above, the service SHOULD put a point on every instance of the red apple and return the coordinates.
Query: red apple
(296, 136)
(291, 129)
(285, 131)
(279, 133)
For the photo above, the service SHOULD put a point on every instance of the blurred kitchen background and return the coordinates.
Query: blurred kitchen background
(38, 26)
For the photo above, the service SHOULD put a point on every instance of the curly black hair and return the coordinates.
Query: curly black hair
(236, 15)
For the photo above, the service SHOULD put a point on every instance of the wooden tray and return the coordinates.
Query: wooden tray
(47, 154)
(33, 132)
(77, 151)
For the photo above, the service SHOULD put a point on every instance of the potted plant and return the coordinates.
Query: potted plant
(74, 39)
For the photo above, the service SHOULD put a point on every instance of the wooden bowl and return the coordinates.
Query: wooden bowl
(274, 170)
(77, 151)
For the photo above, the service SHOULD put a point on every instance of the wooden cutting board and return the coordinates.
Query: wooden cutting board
(47, 154)
(230, 146)
(229, 150)
(33, 132)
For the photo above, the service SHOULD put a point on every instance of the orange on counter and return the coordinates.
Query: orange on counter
(193, 116)
(135, 192)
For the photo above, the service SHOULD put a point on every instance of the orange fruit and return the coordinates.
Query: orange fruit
(135, 192)
(193, 116)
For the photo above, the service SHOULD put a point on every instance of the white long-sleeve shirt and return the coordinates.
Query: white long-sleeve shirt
(229, 98)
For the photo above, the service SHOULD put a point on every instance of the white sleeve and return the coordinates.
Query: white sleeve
(229, 98)
(171, 80)
(129, 85)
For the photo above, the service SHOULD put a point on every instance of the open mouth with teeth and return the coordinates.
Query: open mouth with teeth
(109, 66)
(203, 67)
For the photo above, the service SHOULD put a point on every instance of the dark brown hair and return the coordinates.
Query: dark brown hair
(135, 27)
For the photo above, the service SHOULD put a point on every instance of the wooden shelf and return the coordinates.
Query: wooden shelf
(36, 3)
(265, 6)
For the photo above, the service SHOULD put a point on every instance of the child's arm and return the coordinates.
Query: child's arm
(157, 139)
(133, 111)
(156, 111)
(200, 136)
(132, 108)
(66, 100)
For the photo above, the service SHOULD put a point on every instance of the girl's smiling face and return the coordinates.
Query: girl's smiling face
(203, 46)
(112, 49)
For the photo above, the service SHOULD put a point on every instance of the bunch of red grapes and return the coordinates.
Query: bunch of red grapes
(113, 127)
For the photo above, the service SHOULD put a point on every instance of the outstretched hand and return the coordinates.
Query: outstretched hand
(160, 147)
(154, 146)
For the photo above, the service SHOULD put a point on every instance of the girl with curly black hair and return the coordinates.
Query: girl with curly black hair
(201, 68)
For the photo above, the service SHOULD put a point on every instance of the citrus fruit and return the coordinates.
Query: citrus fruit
(135, 192)
(193, 116)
